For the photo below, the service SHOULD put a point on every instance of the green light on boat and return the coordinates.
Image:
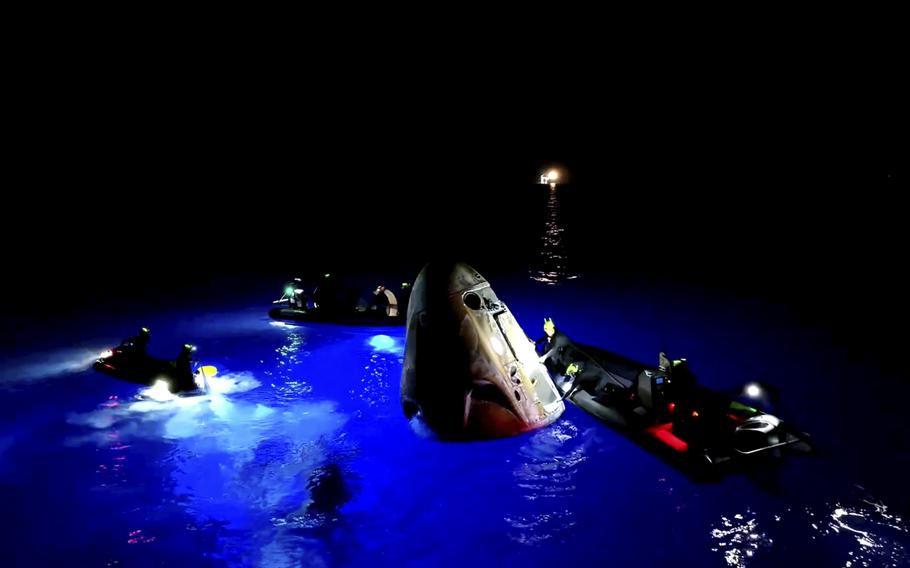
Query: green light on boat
(740, 406)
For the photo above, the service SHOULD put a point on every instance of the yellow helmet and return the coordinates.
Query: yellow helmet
(548, 325)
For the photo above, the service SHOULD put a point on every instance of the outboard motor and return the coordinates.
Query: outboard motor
(757, 433)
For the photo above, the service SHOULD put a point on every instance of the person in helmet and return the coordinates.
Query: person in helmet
(295, 294)
(138, 344)
(579, 376)
(554, 345)
(183, 378)
(572, 381)
(678, 371)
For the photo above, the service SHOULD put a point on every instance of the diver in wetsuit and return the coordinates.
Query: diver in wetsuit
(557, 348)
(138, 344)
(183, 378)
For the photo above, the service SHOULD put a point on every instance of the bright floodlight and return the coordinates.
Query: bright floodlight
(160, 391)
(753, 390)
(382, 343)
(553, 175)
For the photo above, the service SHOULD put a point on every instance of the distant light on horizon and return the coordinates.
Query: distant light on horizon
(549, 178)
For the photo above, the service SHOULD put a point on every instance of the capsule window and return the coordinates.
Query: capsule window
(472, 301)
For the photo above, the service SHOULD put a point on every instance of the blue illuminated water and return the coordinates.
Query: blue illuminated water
(303, 457)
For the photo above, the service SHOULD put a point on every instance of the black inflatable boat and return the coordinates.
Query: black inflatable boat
(664, 410)
(145, 370)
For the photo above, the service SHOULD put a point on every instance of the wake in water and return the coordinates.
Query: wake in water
(210, 415)
(265, 472)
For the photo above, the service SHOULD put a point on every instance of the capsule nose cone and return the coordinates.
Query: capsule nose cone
(462, 277)
(469, 371)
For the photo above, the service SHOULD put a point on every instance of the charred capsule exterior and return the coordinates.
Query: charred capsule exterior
(470, 372)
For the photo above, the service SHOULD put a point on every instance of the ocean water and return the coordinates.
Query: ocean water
(301, 455)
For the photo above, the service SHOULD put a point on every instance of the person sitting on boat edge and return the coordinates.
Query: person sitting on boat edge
(572, 372)
(678, 372)
(184, 377)
(138, 344)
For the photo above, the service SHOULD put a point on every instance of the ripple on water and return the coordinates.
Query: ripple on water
(378, 383)
(550, 461)
(856, 531)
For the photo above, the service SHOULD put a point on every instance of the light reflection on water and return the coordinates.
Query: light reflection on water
(875, 530)
(739, 538)
(378, 384)
(553, 264)
(287, 382)
(857, 531)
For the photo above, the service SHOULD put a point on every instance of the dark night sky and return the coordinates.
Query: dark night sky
(135, 184)
(217, 179)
